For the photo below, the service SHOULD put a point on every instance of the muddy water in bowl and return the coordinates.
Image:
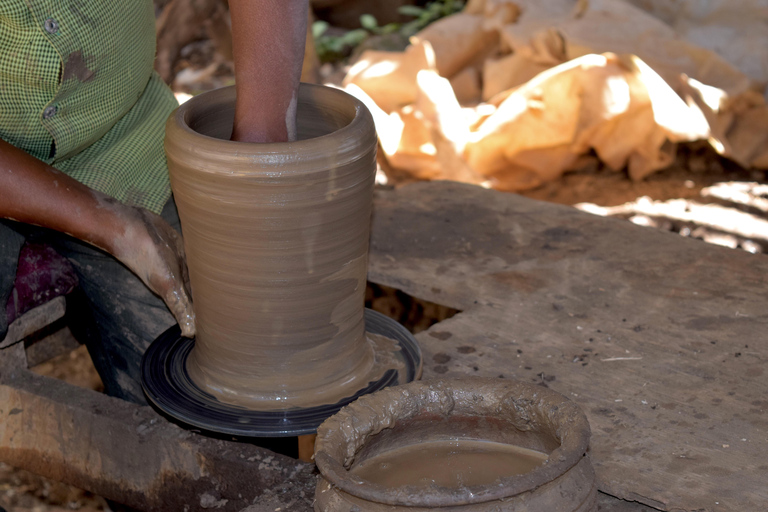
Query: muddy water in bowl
(463, 445)
(448, 463)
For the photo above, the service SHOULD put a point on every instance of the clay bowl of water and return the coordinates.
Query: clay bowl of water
(466, 445)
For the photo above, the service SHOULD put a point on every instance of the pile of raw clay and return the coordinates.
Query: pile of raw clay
(512, 93)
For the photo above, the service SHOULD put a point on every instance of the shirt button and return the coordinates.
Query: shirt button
(51, 26)
(49, 112)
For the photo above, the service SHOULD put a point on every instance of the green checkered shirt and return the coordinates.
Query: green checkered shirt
(77, 90)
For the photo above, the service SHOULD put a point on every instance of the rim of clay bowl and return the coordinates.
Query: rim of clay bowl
(348, 430)
(349, 141)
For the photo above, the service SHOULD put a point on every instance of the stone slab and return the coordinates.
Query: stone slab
(661, 339)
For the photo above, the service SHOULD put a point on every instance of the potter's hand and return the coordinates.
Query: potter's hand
(36, 193)
(154, 251)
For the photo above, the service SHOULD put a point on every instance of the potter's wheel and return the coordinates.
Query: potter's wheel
(168, 387)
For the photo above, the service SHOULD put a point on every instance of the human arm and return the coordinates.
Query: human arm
(268, 39)
(35, 193)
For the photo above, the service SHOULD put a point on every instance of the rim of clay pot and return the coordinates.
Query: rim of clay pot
(525, 406)
(278, 158)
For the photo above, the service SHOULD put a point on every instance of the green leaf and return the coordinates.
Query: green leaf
(336, 44)
(355, 37)
(369, 21)
(319, 28)
(410, 28)
(410, 10)
(390, 28)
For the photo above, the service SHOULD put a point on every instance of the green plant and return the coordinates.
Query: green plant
(431, 12)
(371, 24)
(331, 48)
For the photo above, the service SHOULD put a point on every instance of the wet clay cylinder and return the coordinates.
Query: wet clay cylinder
(468, 445)
(276, 239)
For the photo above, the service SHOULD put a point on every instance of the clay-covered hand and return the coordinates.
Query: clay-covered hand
(35, 193)
(154, 251)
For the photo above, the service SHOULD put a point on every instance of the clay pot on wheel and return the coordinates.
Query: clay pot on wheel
(522, 447)
(276, 237)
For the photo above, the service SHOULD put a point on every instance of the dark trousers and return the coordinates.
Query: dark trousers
(113, 313)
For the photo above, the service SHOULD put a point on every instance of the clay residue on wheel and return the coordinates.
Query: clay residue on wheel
(276, 237)
(495, 410)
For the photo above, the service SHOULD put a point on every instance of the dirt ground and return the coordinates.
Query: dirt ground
(696, 167)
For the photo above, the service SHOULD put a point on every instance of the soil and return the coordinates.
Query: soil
(22, 491)
(697, 166)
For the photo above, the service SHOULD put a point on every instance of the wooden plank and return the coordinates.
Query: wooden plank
(132, 455)
(307, 447)
(34, 320)
(661, 339)
(59, 341)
